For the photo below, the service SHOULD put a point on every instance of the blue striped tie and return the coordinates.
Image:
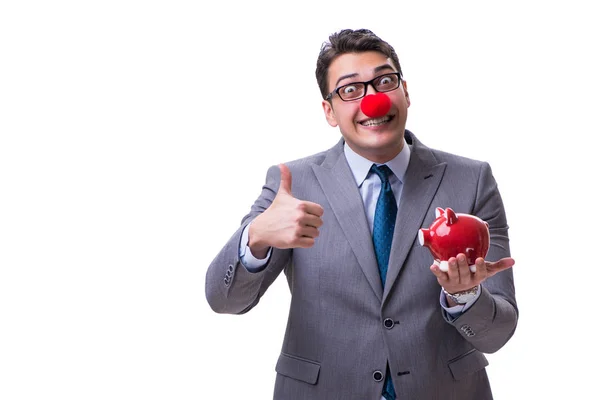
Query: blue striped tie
(383, 232)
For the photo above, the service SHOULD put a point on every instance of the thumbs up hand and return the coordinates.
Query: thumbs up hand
(287, 222)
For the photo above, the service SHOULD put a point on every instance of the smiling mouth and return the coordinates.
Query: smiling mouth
(376, 121)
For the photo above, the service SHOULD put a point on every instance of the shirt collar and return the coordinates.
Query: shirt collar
(360, 166)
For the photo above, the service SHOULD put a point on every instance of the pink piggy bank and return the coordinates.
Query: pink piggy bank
(452, 233)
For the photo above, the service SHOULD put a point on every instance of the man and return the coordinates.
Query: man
(370, 316)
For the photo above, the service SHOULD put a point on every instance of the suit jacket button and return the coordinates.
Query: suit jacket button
(378, 376)
(388, 323)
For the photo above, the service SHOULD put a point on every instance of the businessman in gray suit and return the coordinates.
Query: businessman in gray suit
(372, 316)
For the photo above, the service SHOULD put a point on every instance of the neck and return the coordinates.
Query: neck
(381, 157)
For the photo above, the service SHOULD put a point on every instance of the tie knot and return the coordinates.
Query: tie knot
(383, 171)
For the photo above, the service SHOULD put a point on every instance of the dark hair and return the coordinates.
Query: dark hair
(350, 41)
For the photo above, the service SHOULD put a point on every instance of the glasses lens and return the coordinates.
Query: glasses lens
(352, 91)
(388, 82)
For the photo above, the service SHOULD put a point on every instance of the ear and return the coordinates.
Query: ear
(406, 93)
(329, 113)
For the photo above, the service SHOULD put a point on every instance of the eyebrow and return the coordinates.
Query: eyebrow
(375, 70)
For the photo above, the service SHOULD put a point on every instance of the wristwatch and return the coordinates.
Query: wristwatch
(463, 297)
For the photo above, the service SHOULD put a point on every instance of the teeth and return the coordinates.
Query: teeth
(376, 121)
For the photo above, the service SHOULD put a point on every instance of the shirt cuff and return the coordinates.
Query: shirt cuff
(456, 311)
(251, 263)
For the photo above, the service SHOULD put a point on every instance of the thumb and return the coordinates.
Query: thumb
(285, 185)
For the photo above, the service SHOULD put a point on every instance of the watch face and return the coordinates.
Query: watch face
(466, 296)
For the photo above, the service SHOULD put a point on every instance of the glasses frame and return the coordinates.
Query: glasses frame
(366, 84)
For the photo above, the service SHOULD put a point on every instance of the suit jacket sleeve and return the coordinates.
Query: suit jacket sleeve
(230, 287)
(491, 321)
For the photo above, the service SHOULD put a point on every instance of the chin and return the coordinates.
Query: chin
(385, 138)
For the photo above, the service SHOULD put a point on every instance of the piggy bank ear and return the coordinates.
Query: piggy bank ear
(439, 211)
(450, 216)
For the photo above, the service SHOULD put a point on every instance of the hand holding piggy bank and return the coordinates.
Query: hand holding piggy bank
(453, 233)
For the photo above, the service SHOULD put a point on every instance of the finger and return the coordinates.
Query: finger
(439, 274)
(308, 231)
(453, 275)
(285, 185)
(481, 270)
(464, 272)
(311, 220)
(305, 242)
(312, 208)
(500, 265)
(506, 262)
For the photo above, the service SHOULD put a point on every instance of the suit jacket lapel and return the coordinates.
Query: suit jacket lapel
(338, 184)
(421, 181)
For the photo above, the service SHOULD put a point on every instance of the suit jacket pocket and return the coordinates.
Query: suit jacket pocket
(298, 368)
(467, 363)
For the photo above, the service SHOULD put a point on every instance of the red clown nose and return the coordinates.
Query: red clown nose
(375, 105)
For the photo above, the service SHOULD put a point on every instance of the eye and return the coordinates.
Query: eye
(387, 82)
(349, 89)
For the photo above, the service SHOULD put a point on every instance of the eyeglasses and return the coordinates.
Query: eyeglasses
(358, 90)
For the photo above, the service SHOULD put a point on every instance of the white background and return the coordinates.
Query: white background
(135, 135)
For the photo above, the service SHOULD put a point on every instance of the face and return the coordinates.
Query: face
(378, 142)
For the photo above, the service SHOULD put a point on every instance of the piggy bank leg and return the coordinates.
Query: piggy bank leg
(442, 265)
(471, 256)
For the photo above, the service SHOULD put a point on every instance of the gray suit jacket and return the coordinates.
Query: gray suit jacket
(337, 337)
